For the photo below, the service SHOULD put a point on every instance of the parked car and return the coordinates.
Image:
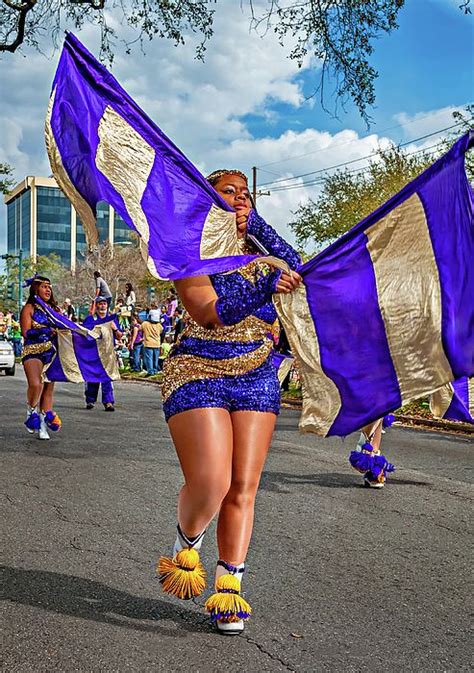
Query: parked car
(7, 356)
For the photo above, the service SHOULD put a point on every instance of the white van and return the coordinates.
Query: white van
(7, 356)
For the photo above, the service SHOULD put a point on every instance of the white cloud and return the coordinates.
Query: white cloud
(424, 123)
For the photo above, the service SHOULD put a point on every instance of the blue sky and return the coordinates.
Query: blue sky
(424, 65)
(246, 105)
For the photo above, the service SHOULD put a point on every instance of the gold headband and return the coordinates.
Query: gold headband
(216, 175)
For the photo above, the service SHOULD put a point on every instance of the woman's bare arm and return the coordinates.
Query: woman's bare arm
(25, 318)
(199, 299)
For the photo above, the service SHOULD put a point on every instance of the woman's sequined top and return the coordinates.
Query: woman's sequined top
(202, 353)
(38, 338)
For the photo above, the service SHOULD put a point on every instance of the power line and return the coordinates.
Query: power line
(353, 161)
(322, 178)
(351, 142)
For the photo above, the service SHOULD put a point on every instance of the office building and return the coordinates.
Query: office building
(42, 221)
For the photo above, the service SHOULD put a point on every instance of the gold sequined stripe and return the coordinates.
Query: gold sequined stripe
(36, 349)
(249, 329)
(183, 369)
(38, 325)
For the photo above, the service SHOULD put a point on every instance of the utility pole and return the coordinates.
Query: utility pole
(254, 185)
(20, 281)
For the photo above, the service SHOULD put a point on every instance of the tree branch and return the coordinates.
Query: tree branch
(23, 10)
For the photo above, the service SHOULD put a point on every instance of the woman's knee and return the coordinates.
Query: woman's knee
(209, 491)
(36, 387)
(242, 493)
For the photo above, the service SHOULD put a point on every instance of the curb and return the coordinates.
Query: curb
(415, 422)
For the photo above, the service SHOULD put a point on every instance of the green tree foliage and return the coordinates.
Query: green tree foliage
(49, 266)
(465, 119)
(6, 178)
(348, 196)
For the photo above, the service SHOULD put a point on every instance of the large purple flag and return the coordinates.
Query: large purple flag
(386, 313)
(102, 146)
(82, 355)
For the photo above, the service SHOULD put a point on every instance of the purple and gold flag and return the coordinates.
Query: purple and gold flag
(82, 355)
(386, 313)
(103, 147)
(454, 401)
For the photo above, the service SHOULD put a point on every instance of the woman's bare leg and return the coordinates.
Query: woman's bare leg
(46, 403)
(203, 439)
(373, 433)
(33, 369)
(252, 434)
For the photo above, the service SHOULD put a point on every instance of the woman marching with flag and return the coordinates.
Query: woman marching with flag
(39, 350)
(221, 396)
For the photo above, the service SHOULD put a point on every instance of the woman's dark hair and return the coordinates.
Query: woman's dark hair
(34, 287)
(96, 274)
(129, 288)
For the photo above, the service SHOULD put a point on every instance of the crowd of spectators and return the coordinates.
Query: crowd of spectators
(148, 332)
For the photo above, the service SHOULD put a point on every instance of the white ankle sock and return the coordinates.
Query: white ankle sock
(183, 541)
(222, 569)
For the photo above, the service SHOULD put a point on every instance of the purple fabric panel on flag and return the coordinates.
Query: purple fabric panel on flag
(458, 410)
(342, 297)
(277, 359)
(447, 199)
(55, 371)
(177, 198)
(88, 359)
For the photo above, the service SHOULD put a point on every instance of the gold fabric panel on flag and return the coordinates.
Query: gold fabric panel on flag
(321, 398)
(126, 159)
(219, 234)
(67, 358)
(81, 206)
(409, 297)
(105, 347)
(285, 369)
(441, 399)
(470, 392)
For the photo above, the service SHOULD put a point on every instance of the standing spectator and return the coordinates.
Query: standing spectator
(130, 298)
(102, 289)
(101, 316)
(154, 314)
(178, 324)
(151, 346)
(165, 349)
(165, 320)
(15, 338)
(172, 304)
(68, 309)
(135, 345)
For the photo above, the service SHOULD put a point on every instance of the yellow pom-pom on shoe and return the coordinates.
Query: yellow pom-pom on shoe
(182, 576)
(227, 605)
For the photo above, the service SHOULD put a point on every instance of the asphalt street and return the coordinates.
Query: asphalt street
(341, 578)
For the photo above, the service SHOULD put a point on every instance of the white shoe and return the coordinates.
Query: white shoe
(43, 429)
(230, 628)
(30, 411)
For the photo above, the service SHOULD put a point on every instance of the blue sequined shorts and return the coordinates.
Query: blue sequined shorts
(258, 390)
(45, 357)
